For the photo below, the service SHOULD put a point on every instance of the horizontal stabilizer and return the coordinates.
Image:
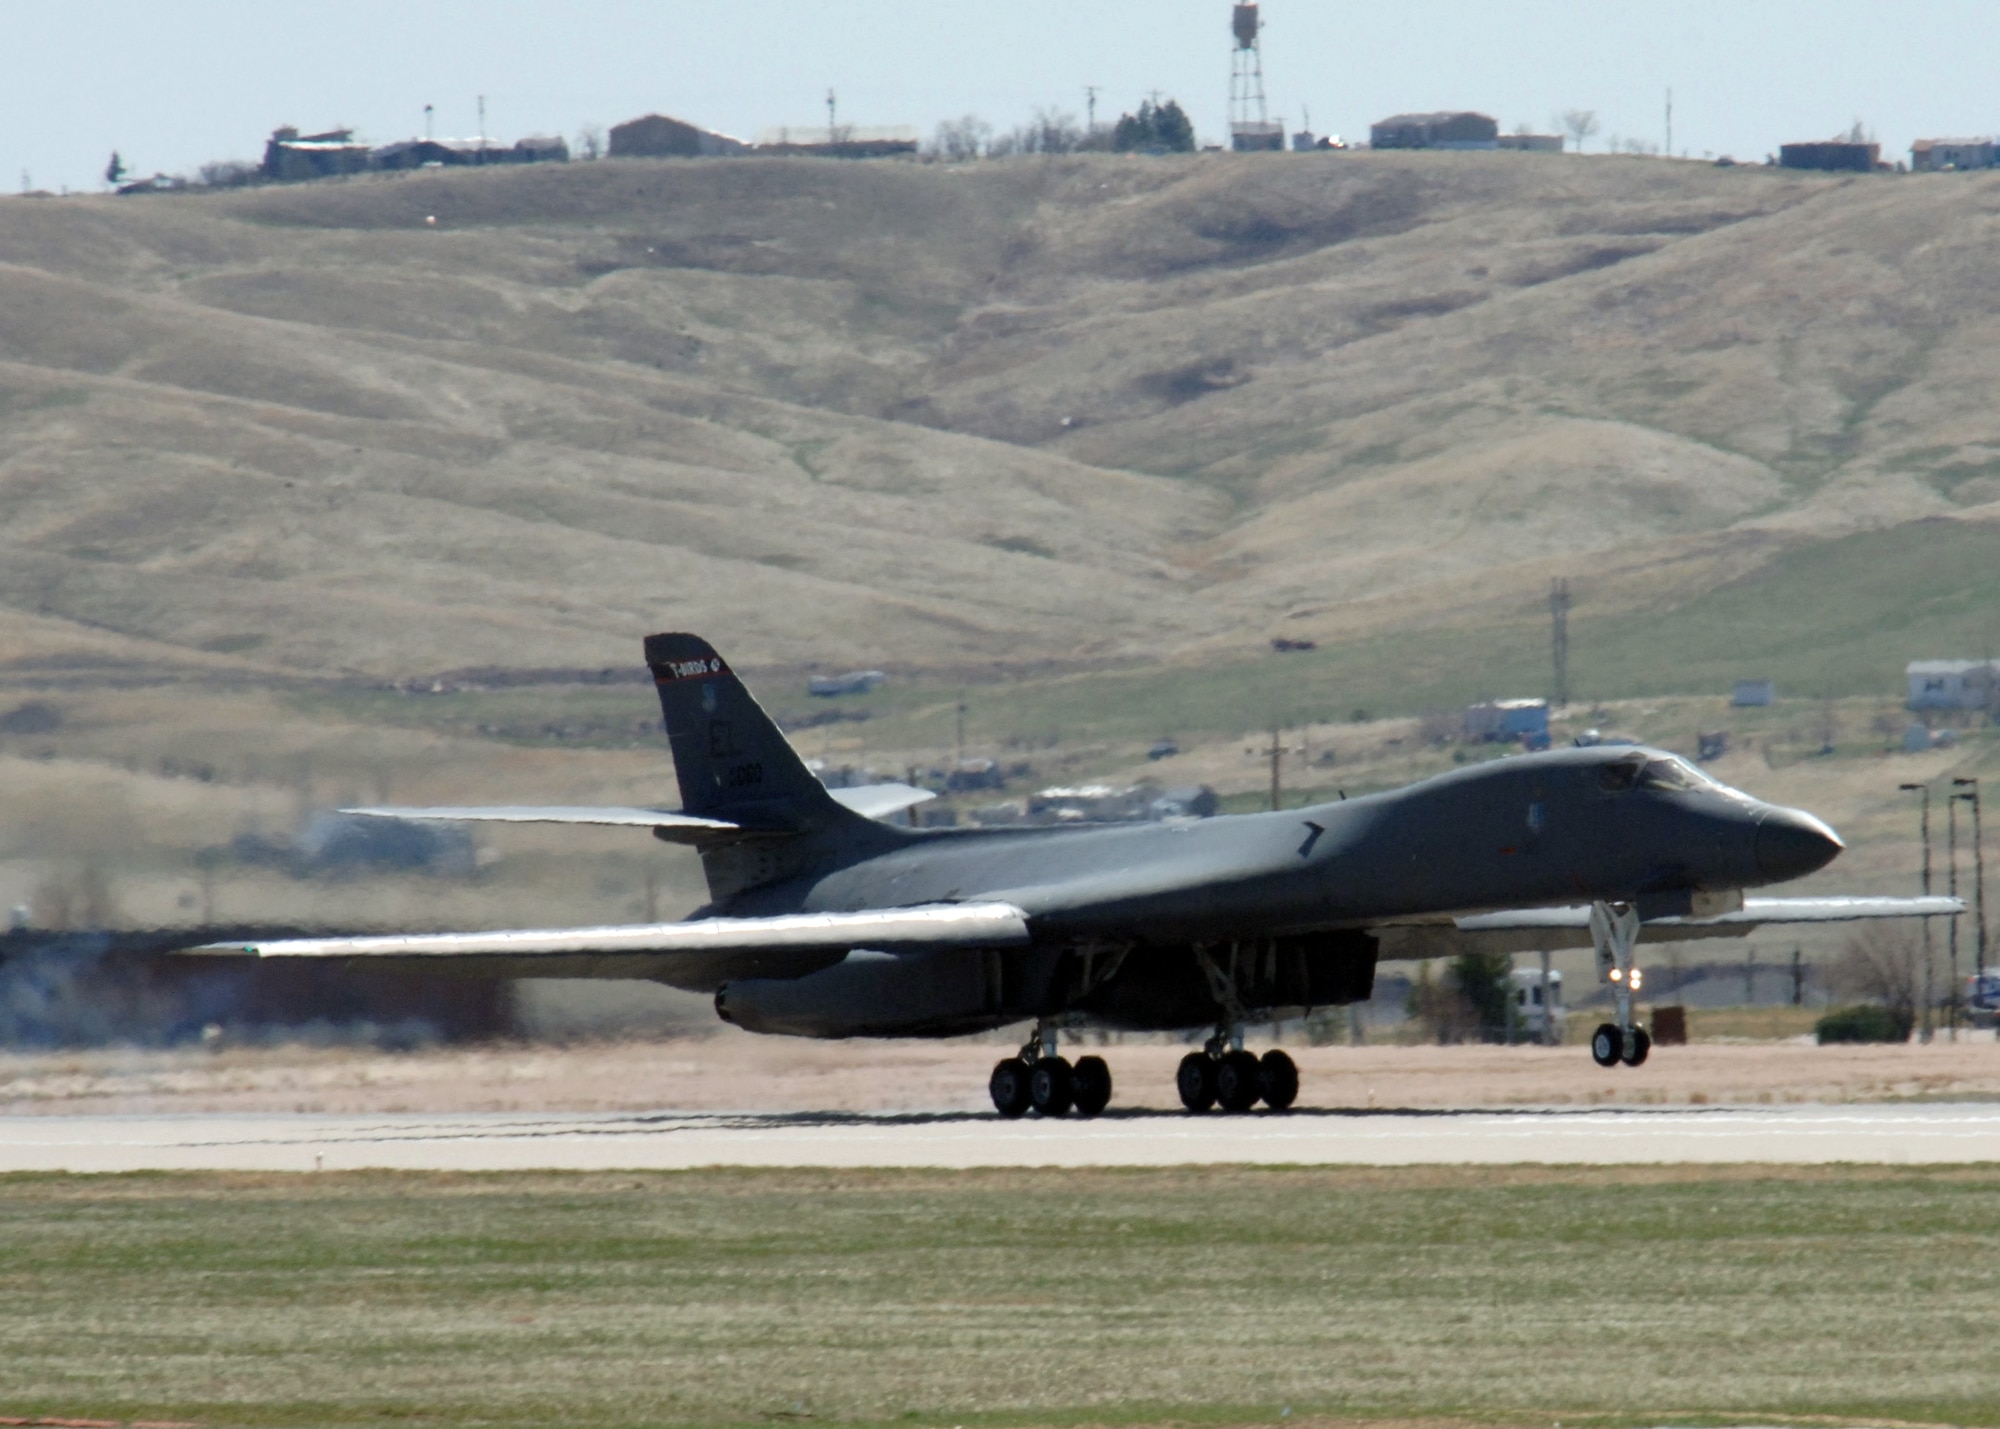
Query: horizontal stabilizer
(696, 954)
(672, 826)
(879, 801)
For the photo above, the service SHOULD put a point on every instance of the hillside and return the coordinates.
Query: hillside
(1086, 410)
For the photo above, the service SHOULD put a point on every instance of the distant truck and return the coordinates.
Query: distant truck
(1534, 1020)
(1524, 722)
(856, 682)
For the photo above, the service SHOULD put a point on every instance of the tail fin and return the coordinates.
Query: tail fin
(732, 761)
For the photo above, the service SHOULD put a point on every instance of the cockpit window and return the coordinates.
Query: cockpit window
(1621, 776)
(1671, 774)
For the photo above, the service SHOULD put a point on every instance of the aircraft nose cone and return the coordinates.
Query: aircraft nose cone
(1792, 843)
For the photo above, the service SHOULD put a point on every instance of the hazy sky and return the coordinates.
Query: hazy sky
(171, 83)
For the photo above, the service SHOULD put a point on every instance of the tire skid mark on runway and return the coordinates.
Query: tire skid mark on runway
(667, 1139)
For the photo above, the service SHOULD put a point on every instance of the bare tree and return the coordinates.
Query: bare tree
(960, 139)
(1882, 964)
(1580, 125)
(1051, 131)
(590, 142)
(228, 173)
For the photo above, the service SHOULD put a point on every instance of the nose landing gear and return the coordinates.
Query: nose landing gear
(1614, 929)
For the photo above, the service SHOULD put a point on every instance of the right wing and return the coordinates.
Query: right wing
(700, 955)
(1529, 930)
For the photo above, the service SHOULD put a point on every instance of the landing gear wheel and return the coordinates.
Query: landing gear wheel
(1281, 1079)
(1638, 1047)
(1008, 1086)
(1239, 1081)
(1607, 1044)
(1090, 1085)
(1049, 1086)
(1196, 1081)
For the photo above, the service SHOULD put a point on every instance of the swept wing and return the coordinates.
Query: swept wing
(698, 954)
(1534, 929)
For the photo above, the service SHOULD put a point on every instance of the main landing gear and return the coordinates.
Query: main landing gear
(1614, 929)
(1221, 1074)
(1224, 1074)
(1041, 1079)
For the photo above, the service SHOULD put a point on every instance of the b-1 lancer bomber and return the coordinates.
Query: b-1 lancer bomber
(826, 921)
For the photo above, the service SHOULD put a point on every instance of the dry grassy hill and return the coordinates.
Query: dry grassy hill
(1089, 409)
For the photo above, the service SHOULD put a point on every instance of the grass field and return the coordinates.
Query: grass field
(1521, 1296)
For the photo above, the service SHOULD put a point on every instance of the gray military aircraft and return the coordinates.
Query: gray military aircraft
(826, 921)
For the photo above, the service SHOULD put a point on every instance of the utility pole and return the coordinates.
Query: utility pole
(1090, 108)
(427, 121)
(1798, 978)
(1924, 832)
(961, 731)
(1559, 637)
(482, 121)
(1971, 785)
(1277, 753)
(832, 124)
(1670, 121)
(1548, 1006)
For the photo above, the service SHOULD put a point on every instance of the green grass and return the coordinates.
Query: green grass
(1840, 617)
(1036, 1297)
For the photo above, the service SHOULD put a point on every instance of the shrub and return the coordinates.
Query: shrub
(1867, 1023)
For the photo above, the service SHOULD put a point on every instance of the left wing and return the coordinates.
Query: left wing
(1529, 930)
(700, 954)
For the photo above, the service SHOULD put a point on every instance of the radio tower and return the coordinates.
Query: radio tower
(1250, 126)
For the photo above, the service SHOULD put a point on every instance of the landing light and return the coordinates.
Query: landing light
(1637, 978)
(1616, 975)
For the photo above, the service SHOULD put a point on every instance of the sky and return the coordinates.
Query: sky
(171, 84)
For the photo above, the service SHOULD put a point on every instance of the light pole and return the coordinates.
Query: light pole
(1924, 832)
(1971, 785)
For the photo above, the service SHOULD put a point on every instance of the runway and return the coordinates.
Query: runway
(1903, 1134)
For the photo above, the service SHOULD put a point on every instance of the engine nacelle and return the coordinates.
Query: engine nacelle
(874, 994)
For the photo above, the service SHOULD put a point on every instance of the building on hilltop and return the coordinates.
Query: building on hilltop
(1929, 156)
(467, 153)
(655, 136)
(1447, 129)
(848, 141)
(1832, 155)
(290, 156)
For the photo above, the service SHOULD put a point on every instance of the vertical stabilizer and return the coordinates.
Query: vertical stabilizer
(732, 760)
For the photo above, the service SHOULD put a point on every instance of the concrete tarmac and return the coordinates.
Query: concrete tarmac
(668, 1140)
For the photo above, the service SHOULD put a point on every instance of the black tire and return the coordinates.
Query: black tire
(1607, 1044)
(1008, 1087)
(1090, 1085)
(1281, 1079)
(1049, 1090)
(1239, 1081)
(1638, 1047)
(1195, 1081)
